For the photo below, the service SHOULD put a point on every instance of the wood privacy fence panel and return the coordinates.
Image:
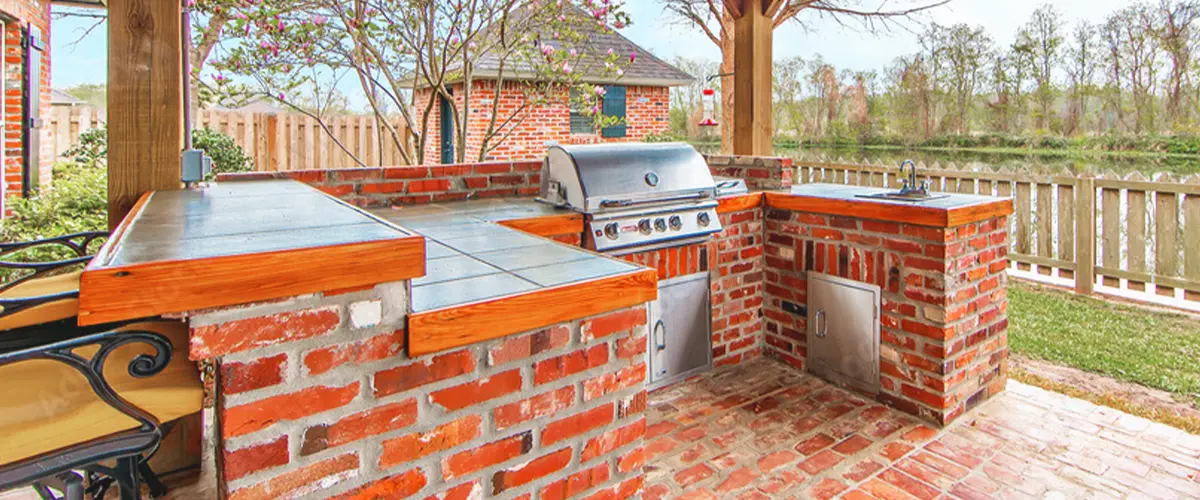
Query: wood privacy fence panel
(1136, 235)
(275, 142)
(293, 141)
(67, 123)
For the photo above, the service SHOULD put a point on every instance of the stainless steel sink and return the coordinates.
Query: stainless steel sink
(912, 197)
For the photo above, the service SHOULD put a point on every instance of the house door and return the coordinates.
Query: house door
(447, 134)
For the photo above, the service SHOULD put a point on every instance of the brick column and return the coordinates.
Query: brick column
(762, 173)
(317, 396)
(943, 332)
(737, 287)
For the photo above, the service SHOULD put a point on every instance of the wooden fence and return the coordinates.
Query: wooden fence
(67, 123)
(274, 142)
(1129, 236)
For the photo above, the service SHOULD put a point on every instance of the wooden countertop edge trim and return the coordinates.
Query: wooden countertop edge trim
(547, 225)
(156, 288)
(739, 202)
(443, 329)
(109, 249)
(919, 215)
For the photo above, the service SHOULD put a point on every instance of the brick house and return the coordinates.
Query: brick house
(641, 97)
(27, 156)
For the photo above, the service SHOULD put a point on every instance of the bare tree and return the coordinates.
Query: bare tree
(789, 83)
(711, 17)
(1043, 35)
(1134, 61)
(1081, 71)
(1175, 34)
(965, 50)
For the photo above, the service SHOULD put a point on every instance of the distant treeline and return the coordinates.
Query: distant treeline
(1133, 75)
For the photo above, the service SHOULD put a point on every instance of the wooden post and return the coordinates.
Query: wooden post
(1085, 236)
(145, 100)
(753, 123)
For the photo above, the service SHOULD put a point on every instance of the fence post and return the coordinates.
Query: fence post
(1085, 236)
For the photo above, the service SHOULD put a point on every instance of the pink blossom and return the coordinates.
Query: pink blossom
(566, 67)
(319, 19)
(633, 56)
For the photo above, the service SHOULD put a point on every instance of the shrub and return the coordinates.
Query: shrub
(76, 201)
(227, 155)
(663, 137)
(92, 147)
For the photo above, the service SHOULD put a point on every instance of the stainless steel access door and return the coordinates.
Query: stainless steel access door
(843, 331)
(680, 329)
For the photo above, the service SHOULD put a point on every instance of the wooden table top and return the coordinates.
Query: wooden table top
(237, 243)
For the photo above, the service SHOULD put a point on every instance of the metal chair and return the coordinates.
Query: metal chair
(83, 399)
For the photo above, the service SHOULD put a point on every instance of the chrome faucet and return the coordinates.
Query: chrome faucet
(910, 186)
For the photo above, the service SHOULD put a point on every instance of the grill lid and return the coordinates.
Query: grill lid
(595, 178)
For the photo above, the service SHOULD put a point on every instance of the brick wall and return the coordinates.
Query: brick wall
(36, 13)
(762, 173)
(319, 399)
(386, 186)
(647, 112)
(737, 288)
(944, 323)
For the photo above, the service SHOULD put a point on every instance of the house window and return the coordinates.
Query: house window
(614, 105)
(581, 123)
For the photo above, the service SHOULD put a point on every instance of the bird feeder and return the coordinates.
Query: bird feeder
(710, 101)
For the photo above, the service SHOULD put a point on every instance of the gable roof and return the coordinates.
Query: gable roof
(647, 69)
(61, 98)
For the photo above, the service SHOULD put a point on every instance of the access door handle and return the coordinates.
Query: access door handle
(817, 328)
(661, 341)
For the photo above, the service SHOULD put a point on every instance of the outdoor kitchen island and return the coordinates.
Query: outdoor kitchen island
(313, 387)
(537, 386)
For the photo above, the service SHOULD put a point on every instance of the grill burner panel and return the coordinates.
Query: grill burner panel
(634, 195)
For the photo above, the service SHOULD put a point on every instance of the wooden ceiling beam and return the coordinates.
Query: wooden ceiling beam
(734, 7)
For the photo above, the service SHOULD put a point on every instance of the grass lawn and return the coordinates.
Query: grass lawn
(1155, 349)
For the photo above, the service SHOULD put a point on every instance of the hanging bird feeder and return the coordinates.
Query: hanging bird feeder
(710, 100)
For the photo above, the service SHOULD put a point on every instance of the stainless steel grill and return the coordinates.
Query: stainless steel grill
(634, 196)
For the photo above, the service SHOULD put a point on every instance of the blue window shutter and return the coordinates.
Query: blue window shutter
(614, 105)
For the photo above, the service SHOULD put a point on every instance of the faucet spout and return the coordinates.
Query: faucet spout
(910, 184)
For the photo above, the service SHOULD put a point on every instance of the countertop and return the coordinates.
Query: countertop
(485, 279)
(237, 243)
(840, 199)
(471, 256)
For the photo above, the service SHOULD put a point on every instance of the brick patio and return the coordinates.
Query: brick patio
(766, 430)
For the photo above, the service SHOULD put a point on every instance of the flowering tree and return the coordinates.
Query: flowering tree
(392, 49)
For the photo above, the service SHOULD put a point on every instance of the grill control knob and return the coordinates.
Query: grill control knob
(612, 230)
(703, 219)
(660, 225)
(676, 222)
(644, 226)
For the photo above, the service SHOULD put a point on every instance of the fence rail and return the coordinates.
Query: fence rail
(274, 142)
(1130, 236)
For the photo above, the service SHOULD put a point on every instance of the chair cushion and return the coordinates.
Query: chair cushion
(42, 313)
(49, 405)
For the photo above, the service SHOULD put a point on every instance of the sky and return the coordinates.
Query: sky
(75, 61)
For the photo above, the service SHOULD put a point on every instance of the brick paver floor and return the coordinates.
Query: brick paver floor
(765, 430)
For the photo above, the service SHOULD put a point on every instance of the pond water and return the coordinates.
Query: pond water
(1123, 165)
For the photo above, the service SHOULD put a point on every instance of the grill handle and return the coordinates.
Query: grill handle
(662, 343)
(630, 203)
